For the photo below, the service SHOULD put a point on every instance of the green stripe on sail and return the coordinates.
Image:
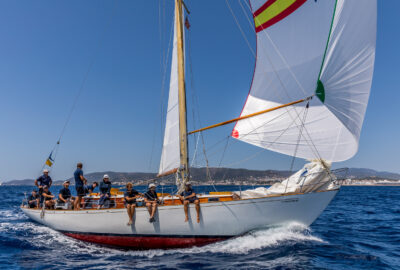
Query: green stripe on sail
(320, 90)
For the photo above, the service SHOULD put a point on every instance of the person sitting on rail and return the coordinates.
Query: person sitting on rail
(33, 199)
(105, 191)
(151, 200)
(188, 196)
(48, 198)
(130, 197)
(43, 180)
(64, 196)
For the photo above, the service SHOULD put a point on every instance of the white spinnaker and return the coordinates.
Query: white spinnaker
(170, 156)
(289, 58)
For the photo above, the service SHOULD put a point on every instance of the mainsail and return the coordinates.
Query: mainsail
(170, 156)
(305, 48)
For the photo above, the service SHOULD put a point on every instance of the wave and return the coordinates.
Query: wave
(291, 233)
(42, 237)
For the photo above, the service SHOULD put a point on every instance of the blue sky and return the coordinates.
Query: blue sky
(47, 46)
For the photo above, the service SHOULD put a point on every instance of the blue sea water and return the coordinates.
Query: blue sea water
(360, 229)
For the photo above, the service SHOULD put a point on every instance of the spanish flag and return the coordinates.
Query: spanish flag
(273, 11)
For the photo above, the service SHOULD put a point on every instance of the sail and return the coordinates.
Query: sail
(170, 156)
(305, 48)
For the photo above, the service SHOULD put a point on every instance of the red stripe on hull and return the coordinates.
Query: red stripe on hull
(145, 242)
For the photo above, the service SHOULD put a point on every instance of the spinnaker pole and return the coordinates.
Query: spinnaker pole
(251, 115)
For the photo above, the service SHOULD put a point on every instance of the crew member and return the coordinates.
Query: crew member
(80, 181)
(48, 198)
(43, 180)
(90, 188)
(33, 199)
(105, 191)
(64, 196)
(188, 196)
(130, 197)
(151, 199)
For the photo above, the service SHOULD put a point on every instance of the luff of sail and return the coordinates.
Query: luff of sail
(170, 155)
(304, 47)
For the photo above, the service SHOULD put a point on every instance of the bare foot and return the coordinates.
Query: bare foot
(198, 219)
(186, 219)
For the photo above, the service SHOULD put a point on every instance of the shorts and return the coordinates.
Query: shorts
(80, 191)
(192, 199)
(130, 203)
(32, 205)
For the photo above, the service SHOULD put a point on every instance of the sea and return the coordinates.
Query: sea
(360, 229)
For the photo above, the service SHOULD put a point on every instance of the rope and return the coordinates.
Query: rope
(83, 83)
(299, 138)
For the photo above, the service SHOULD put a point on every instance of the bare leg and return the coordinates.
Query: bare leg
(197, 204)
(154, 208)
(132, 211)
(77, 203)
(129, 210)
(149, 208)
(185, 207)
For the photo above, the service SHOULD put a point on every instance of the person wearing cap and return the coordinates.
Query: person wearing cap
(64, 196)
(105, 191)
(33, 200)
(130, 197)
(48, 198)
(43, 180)
(188, 196)
(80, 181)
(151, 200)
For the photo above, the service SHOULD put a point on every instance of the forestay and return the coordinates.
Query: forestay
(305, 48)
(170, 156)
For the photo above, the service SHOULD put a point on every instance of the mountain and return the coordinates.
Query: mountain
(360, 173)
(219, 175)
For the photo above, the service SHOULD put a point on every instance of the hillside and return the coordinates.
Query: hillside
(219, 176)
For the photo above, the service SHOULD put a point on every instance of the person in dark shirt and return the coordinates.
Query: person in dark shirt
(130, 197)
(64, 196)
(105, 191)
(188, 196)
(80, 181)
(48, 198)
(151, 199)
(89, 189)
(33, 200)
(43, 180)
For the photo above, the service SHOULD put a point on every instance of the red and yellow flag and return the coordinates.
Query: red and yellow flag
(273, 11)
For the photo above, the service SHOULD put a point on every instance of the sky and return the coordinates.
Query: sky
(115, 52)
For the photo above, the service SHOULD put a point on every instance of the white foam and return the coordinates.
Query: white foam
(264, 238)
(41, 236)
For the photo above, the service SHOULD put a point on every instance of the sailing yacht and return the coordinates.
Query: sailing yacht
(308, 97)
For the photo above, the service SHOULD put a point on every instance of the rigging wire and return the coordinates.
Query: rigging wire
(308, 140)
(84, 80)
(164, 66)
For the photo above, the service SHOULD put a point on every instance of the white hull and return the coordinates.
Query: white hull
(219, 220)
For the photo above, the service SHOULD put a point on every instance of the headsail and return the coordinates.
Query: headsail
(304, 48)
(170, 156)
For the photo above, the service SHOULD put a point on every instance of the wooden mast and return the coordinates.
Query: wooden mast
(182, 92)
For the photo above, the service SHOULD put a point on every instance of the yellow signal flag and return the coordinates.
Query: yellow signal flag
(49, 163)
